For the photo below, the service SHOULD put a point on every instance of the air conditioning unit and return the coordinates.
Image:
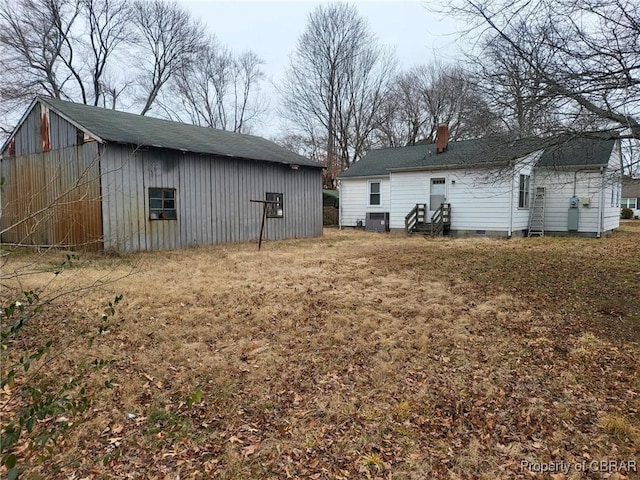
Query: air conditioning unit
(377, 222)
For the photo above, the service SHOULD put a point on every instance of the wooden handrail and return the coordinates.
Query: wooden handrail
(440, 218)
(414, 217)
(409, 219)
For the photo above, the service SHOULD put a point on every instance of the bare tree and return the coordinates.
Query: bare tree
(170, 38)
(248, 105)
(335, 84)
(426, 96)
(513, 90)
(60, 48)
(408, 115)
(451, 98)
(108, 27)
(584, 53)
(34, 42)
(218, 89)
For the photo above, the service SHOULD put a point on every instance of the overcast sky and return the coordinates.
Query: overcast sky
(271, 29)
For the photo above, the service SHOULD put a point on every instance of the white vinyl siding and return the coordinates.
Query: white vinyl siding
(479, 199)
(407, 189)
(559, 188)
(611, 214)
(354, 199)
(587, 185)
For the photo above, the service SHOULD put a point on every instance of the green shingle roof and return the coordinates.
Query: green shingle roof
(484, 152)
(578, 152)
(122, 127)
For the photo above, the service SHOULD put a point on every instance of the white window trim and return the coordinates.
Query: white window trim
(369, 204)
(527, 197)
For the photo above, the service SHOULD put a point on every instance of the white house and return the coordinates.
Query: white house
(631, 195)
(493, 187)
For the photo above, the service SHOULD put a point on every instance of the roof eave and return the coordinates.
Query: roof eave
(348, 177)
(226, 155)
(450, 167)
(71, 121)
(594, 166)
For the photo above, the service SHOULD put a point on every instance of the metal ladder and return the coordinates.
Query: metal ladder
(536, 216)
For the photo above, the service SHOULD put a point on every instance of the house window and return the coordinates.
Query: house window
(162, 204)
(631, 203)
(523, 192)
(615, 193)
(374, 193)
(274, 210)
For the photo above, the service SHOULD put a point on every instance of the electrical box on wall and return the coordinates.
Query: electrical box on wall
(586, 201)
(574, 212)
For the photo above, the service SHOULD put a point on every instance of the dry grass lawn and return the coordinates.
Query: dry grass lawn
(355, 355)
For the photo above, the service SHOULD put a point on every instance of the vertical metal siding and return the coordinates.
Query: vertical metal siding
(52, 198)
(212, 195)
(99, 194)
(27, 136)
(63, 134)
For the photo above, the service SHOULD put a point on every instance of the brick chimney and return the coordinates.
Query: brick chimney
(442, 138)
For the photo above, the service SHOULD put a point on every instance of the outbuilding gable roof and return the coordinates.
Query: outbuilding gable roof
(588, 152)
(128, 128)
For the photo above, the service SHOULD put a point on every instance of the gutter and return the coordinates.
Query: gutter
(340, 206)
(513, 180)
(359, 177)
(448, 167)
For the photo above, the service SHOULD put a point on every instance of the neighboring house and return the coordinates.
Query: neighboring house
(490, 185)
(82, 176)
(631, 195)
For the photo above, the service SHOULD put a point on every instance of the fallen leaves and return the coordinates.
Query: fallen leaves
(381, 357)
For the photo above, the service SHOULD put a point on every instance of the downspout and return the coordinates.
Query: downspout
(513, 179)
(339, 205)
(603, 170)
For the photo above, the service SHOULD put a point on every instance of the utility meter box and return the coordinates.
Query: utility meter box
(574, 212)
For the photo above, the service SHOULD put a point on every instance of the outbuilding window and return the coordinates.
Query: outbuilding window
(162, 204)
(274, 210)
(523, 191)
(374, 193)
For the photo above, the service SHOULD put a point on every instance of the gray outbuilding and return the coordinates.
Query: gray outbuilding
(87, 177)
